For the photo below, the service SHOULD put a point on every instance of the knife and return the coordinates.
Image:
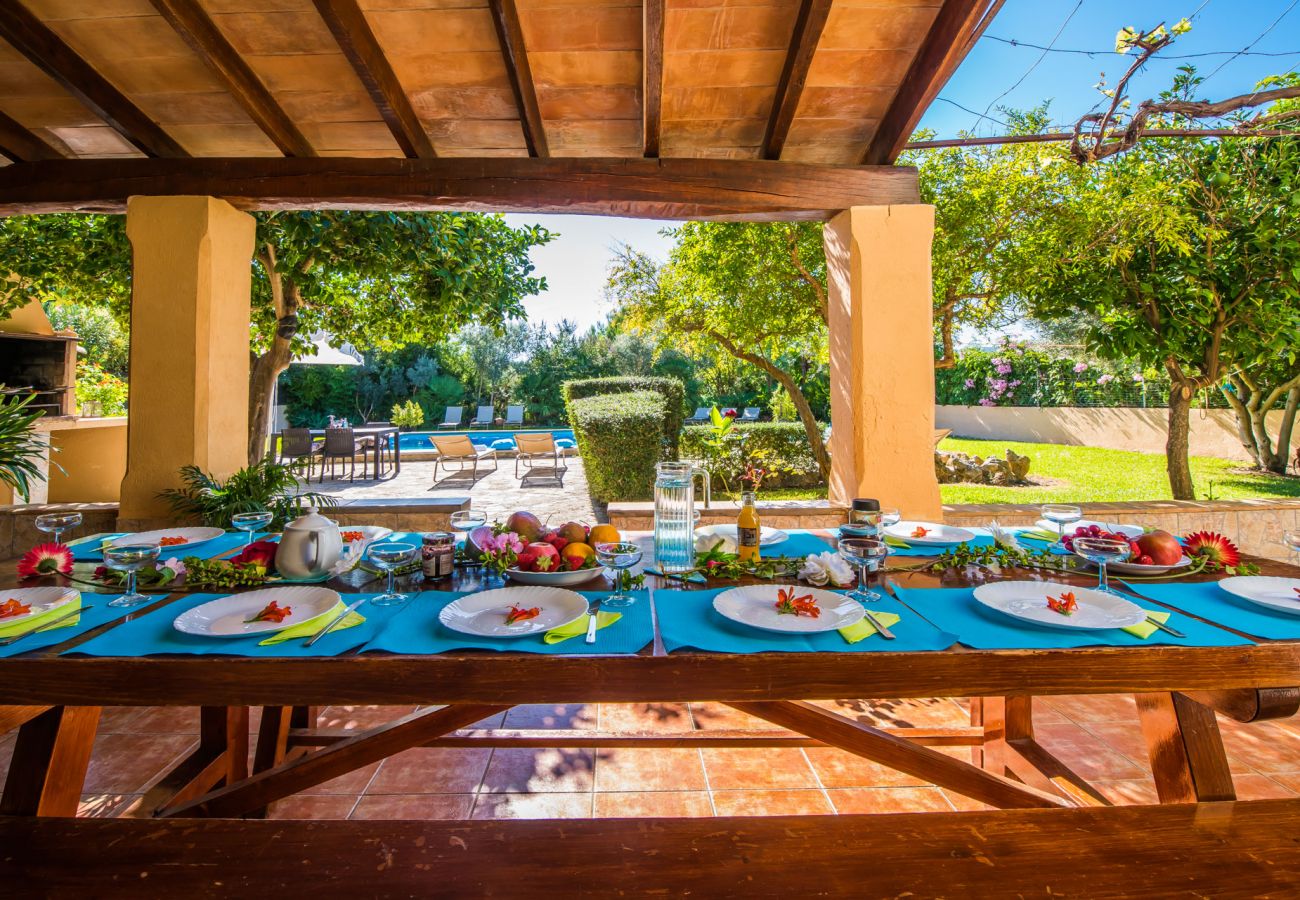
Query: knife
(880, 629)
(1161, 625)
(44, 625)
(329, 626)
(591, 623)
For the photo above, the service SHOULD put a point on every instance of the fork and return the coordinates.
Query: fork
(44, 626)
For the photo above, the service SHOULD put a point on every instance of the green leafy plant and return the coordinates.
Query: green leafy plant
(95, 384)
(672, 390)
(408, 414)
(619, 438)
(780, 448)
(264, 486)
(21, 451)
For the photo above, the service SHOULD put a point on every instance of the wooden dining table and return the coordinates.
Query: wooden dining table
(1179, 689)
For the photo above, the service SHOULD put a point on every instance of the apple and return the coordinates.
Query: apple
(1162, 547)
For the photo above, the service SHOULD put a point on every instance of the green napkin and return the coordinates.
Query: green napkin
(864, 629)
(309, 628)
(1144, 630)
(579, 626)
(897, 542)
(36, 622)
(1039, 534)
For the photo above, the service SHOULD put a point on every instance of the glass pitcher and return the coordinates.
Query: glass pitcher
(675, 515)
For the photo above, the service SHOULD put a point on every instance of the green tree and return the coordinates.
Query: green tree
(99, 333)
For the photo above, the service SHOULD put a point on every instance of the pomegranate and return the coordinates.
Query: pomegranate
(1162, 547)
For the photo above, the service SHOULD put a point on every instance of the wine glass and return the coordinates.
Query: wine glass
(57, 523)
(1062, 515)
(866, 554)
(251, 522)
(1102, 552)
(130, 558)
(1292, 541)
(618, 556)
(390, 558)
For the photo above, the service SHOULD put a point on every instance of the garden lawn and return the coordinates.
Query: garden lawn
(1099, 474)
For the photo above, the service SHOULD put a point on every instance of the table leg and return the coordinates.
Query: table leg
(1011, 749)
(48, 768)
(397, 454)
(1188, 761)
(220, 758)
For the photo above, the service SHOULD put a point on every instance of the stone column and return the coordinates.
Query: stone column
(882, 357)
(190, 297)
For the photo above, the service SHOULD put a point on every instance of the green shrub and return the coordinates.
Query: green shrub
(408, 414)
(672, 390)
(96, 384)
(781, 448)
(619, 437)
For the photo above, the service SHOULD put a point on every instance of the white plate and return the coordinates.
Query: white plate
(1027, 602)
(1266, 590)
(193, 537)
(561, 578)
(1132, 568)
(1126, 530)
(939, 536)
(755, 605)
(227, 617)
(766, 537)
(368, 533)
(484, 614)
(40, 599)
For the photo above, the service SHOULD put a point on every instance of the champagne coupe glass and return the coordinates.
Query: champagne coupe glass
(1102, 552)
(1062, 515)
(1292, 541)
(390, 558)
(866, 554)
(466, 520)
(57, 523)
(890, 515)
(618, 556)
(130, 558)
(251, 522)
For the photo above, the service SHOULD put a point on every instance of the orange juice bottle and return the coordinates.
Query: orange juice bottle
(748, 527)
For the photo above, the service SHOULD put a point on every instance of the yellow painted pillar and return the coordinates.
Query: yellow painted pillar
(190, 295)
(882, 357)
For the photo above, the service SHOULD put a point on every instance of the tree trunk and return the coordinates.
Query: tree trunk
(1285, 428)
(267, 367)
(1180, 473)
(1238, 400)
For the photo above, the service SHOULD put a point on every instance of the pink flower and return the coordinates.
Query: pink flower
(985, 401)
(1137, 377)
(970, 383)
(1004, 368)
(1106, 379)
(1081, 367)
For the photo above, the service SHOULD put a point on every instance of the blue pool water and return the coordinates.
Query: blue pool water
(500, 440)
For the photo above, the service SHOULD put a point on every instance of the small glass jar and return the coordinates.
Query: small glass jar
(864, 518)
(438, 555)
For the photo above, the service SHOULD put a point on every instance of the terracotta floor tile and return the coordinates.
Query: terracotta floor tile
(1089, 756)
(649, 770)
(414, 806)
(962, 803)
(645, 717)
(889, 800)
(113, 719)
(431, 770)
(1085, 708)
(548, 715)
(841, 769)
(353, 782)
(1046, 714)
(162, 720)
(720, 717)
(923, 712)
(1290, 782)
(1129, 792)
(361, 717)
(324, 806)
(103, 806)
(126, 763)
(777, 767)
(629, 804)
(532, 806)
(526, 771)
(1264, 747)
(1260, 787)
(771, 803)
(1124, 738)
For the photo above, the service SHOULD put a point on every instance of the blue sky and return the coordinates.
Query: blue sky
(574, 264)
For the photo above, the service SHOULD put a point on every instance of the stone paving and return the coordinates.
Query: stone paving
(497, 493)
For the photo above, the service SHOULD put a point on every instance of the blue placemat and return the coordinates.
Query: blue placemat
(416, 630)
(1037, 544)
(1209, 601)
(799, 543)
(687, 619)
(153, 635)
(98, 614)
(956, 609)
(91, 550)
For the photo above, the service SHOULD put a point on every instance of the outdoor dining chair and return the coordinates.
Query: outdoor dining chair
(750, 415)
(458, 448)
(341, 445)
(701, 416)
(540, 457)
(514, 417)
(484, 417)
(453, 417)
(297, 446)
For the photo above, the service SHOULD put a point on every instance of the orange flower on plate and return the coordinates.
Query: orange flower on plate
(517, 613)
(1065, 604)
(12, 607)
(787, 604)
(920, 531)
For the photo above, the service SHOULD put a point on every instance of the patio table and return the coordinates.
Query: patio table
(380, 433)
(1178, 689)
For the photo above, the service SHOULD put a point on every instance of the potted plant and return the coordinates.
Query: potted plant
(265, 485)
(22, 453)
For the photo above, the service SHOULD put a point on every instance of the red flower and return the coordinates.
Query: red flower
(259, 554)
(729, 413)
(45, 559)
(1215, 548)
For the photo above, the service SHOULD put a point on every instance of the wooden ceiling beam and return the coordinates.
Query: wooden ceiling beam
(735, 190)
(955, 30)
(803, 43)
(348, 24)
(505, 16)
(21, 145)
(197, 29)
(29, 36)
(652, 75)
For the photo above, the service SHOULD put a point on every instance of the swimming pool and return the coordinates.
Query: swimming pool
(498, 440)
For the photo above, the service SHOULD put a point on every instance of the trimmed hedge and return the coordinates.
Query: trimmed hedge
(672, 390)
(620, 438)
(780, 447)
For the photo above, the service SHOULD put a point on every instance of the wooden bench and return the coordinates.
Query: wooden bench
(1243, 849)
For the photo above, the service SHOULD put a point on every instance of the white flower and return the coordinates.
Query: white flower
(825, 568)
(711, 541)
(1002, 537)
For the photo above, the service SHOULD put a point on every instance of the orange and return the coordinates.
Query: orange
(603, 534)
(579, 549)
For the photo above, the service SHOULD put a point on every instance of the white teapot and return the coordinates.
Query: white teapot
(309, 547)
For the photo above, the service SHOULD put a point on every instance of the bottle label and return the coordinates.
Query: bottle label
(747, 537)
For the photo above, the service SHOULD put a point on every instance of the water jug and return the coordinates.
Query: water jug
(675, 515)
